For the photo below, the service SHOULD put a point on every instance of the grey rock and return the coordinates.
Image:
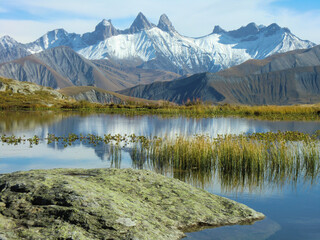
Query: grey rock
(126, 222)
(2, 237)
(26, 88)
(250, 29)
(103, 30)
(126, 208)
(217, 29)
(139, 24)
(165, 24)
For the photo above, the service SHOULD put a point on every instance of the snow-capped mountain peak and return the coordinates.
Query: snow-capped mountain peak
(56, 38)
(161, 47)
(7, 40)
(10, 49)
(103, 30)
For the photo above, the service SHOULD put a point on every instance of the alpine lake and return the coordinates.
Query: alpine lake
(291, 204)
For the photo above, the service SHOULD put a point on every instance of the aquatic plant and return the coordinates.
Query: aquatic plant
(239, 161)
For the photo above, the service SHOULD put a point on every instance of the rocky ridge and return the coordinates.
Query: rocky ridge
(26, 88)
(162, 47)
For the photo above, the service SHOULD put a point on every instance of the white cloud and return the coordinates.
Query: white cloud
(305, 25)
(191, 18)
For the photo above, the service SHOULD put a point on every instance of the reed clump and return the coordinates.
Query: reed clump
(239, 161)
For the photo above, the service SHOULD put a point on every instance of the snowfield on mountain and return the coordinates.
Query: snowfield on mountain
(162, 47)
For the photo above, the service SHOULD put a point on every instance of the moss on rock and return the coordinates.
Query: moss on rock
(108, 204)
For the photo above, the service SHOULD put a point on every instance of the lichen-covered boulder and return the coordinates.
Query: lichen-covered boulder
(108, 204)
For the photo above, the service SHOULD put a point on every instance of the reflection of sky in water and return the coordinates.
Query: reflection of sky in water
(291, 213)
(154, 125)
(89, 156)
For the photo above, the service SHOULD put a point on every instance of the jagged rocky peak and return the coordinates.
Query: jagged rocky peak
(250, 29)
(7, 41)
(165, 24)
(218, 30)
(274, 28)
(7, 38)
(57, 33)
(105, 22)
(140, 23)
(106, 29)
(103, 30)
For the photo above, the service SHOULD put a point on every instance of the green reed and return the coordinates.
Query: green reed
(245, 161)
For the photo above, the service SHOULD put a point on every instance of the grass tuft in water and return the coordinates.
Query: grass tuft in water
(238, 161)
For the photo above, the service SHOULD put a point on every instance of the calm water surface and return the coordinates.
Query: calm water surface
(292, 210)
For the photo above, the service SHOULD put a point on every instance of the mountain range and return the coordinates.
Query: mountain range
(61, 67)
(160, 46)
(288, 78)
(251, 65)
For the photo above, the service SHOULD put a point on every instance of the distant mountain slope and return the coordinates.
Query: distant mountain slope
(31, 69)
(10, 49)
(98, 95)
(162, 47)
(62, 67)
(277, 62)
(288, 78)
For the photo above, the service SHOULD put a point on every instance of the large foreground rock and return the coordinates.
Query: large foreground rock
(108, 204)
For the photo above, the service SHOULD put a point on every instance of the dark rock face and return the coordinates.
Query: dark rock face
(140, 23)
(272, 29)
(218, 30)
(103, 30)
(109, 204)
(180, 91)
(250, 29)
(165, 24)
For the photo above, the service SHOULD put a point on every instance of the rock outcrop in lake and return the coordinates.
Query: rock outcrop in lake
(108, 204)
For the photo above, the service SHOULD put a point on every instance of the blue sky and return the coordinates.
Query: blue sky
(299, 5)
(26, 20)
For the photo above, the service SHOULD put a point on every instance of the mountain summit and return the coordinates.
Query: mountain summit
(165, 24)
(250, 29)
(162, 47)
(103, 30)
(140, 23)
